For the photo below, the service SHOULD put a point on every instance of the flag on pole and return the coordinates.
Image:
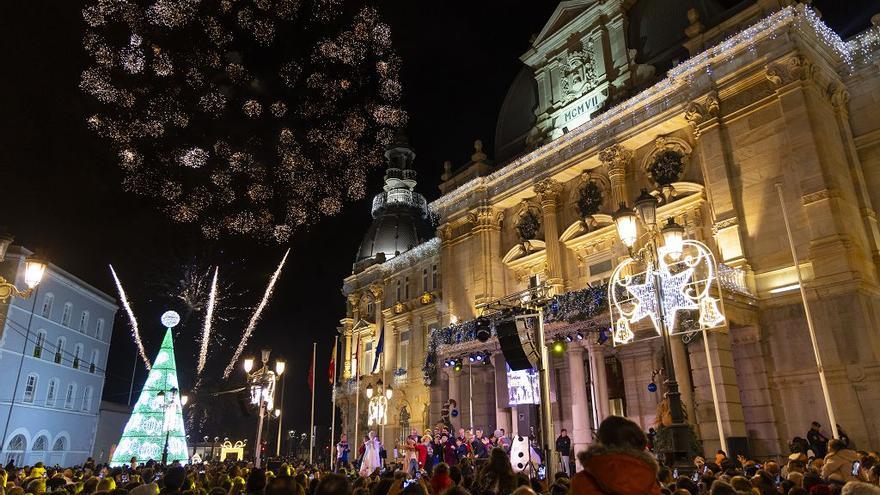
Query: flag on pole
(379, 348)
(312, 375)
(331, 371)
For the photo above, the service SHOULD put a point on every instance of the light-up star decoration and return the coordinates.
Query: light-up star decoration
(685, 283)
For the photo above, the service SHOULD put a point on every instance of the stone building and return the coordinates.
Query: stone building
(741, 96)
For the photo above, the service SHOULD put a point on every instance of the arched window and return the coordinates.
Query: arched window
(60, 444)
(425, 287)
(39, 343)
(65, 315)
(30, 388)
(77, 355)
(84, 321)
(399, 294)
(59, 350)
(46, 310)
(40, 444)
(406, 288)
(15, 449)
(87, 400)
(435, 280)
(52, 393)
(99, 329)
(93, 364)
(68, 397)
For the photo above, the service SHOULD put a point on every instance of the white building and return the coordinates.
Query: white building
(53, 353)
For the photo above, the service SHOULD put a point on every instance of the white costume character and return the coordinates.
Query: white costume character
(371, 460)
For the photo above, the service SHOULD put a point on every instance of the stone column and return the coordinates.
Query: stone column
(548, 191)
(445, 233)
(349, 351)
(455, 394)
(502, 410)
(599, 380)
(580, 415)
(616, 159)
(390, 358)
(489, 277)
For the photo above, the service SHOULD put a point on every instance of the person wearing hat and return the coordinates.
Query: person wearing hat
(818, 442)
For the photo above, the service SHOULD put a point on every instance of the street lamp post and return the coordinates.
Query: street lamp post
(167, 403)
(262, 388)
(626, 221)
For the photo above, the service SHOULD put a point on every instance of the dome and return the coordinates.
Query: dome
(399, 213)
(517, 116)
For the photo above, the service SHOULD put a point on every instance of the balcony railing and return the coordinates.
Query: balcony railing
(733, 279)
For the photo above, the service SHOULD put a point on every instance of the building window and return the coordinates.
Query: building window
(40, 444)
(77, 355)
(435, 277)
(46, 310)
(371, 309)
(40, 343)
(30, 388)
(425, 287)
(68, 397)
(52, 393)
(99, 329)
(59, 350)
(368, 358)
(399, 293)
(65, 316)
(94, 362)
(87, 400)
(84, 321)
(60, 445)
(406, 288)
(403, 350)
(15, 449)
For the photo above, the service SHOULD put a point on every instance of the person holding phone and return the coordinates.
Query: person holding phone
(839, 460)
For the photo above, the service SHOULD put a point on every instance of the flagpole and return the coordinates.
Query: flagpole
(333, 405)
(797, 269)
(312, 429)
(357, 393)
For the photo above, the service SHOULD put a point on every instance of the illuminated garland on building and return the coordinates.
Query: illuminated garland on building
(570, 307)
(144, 434)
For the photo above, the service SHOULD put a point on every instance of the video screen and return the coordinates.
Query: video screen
(522, 387)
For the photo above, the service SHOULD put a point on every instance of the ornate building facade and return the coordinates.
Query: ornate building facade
(710, 120)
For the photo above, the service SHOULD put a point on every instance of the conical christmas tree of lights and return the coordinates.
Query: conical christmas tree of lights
(156, 415)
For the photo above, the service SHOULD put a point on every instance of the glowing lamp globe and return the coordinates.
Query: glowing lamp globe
(170, 319)
(248, 364)
(673, 236)
(369, 391)
(279, 367)
(646, 205)
(34, 268)
(625, 220)
(388, 392)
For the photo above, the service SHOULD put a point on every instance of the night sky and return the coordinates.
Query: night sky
(62, 194)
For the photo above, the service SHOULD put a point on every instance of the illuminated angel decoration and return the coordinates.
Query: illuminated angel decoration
(685, 284)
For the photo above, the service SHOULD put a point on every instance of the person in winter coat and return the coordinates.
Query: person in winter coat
(839, 460)
(618, 463)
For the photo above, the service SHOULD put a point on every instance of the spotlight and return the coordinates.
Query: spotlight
(478, 357)
(483, 329)
(471, 358)
(558, 347)
(579, 336)
(457, 365)
(569, 338)
(603, 336)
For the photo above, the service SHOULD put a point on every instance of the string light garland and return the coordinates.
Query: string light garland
(255, 318)
(246, 118)
(132, 321)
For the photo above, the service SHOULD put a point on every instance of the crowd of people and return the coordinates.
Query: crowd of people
(471, 463)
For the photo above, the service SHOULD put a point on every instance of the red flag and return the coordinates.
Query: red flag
(331, 371)
(312, 376)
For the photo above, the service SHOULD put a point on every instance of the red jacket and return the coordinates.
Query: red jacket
(422, 454)
(439, 483)
(615, 471)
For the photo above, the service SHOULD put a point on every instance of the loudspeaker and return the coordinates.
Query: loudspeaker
(508, 332)
(526, 419)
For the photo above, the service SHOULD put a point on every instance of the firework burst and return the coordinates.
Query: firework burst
(246, 118)
(135, 333)
(206, 329)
